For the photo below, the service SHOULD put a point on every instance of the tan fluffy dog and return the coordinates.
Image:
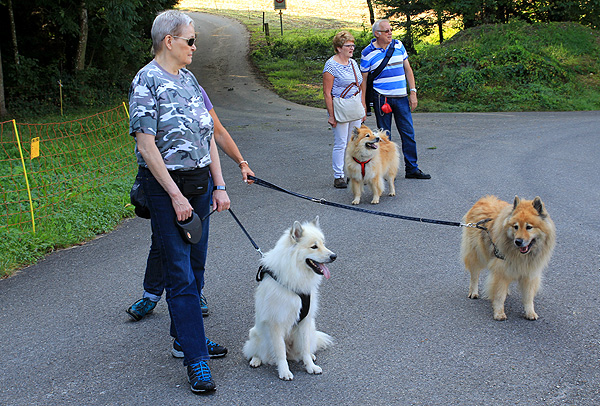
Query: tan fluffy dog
(524, 237)
(370, 158)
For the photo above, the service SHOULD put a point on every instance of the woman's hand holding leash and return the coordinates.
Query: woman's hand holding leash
(246, 171)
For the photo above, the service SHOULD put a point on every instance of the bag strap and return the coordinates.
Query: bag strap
(347, 89)
(388, 55)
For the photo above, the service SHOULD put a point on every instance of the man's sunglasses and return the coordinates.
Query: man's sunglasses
(190, 41)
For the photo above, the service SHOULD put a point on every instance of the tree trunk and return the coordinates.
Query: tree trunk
(13, 30)
(83, 37)
(440, 24)
(3, 111)
(408, 38)
(371, 12)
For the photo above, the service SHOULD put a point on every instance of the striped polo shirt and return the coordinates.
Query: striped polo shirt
(392, 81)
(343, 76)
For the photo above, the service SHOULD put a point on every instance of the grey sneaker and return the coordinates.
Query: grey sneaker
(141, 308)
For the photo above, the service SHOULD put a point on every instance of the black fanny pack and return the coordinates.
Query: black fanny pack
(193, 182)
(138, 199)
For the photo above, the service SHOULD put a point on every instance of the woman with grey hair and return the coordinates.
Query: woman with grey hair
(175, 127)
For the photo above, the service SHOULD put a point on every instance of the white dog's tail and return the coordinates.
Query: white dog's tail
(324, 340)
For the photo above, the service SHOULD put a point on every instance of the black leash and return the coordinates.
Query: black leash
(347, 207)
(246, 232)
(478, 225)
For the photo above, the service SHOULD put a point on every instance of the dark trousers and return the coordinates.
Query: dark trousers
(403, 118)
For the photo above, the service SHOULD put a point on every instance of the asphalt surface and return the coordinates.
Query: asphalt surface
(396, 304)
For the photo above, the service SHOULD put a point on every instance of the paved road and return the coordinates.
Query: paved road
(396, 304)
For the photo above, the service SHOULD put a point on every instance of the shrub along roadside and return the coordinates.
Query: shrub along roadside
(512, 67)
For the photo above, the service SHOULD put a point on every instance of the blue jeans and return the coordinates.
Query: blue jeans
(404, 124)
(154, 277)
(183, 268)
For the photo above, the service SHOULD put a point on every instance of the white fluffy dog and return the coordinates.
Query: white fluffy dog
(286, 301)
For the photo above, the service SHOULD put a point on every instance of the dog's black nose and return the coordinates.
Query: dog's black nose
(519, 242)
(333, 257)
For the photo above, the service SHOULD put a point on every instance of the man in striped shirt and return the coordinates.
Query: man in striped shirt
(396, 86)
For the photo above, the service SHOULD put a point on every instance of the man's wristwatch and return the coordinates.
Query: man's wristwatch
(413, 89)
(219, 187)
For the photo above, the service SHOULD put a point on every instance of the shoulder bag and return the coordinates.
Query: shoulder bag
(350, 109)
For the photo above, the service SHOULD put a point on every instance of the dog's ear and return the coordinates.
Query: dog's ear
(516, 202)
(354, 133)
(538, 205)
(316, 222)
(296, 231)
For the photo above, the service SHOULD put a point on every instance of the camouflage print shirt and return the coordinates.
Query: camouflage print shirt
(174, 109)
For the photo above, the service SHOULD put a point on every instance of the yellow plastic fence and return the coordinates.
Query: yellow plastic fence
(44, 166)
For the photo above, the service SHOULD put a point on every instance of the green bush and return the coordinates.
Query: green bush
(501, 67)
(511, 67)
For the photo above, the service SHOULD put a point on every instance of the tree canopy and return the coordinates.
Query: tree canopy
(91, 46)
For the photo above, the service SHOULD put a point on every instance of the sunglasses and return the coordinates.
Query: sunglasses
(190, 41)
(386, 31)
(349, 45)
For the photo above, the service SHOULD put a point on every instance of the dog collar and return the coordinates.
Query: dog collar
(305, 299)
(362, 165)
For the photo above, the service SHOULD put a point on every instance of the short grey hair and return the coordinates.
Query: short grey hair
(170, 22)
(377, 23)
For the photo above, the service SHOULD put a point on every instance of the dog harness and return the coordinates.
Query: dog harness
(362, 165)
(305, 299)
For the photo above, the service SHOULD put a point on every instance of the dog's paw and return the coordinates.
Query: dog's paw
(286, 375)
(473, 296)
(500, 316)
(375, 200)
(531, 315)
(255, 362)
(392, 194)
(314, 369)
(356, 201)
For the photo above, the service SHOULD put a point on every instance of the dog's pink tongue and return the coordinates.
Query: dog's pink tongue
(325, 271)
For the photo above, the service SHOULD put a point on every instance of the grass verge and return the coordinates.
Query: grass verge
(79, 185)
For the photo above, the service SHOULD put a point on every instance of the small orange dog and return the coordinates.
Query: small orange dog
(370, 158)
(517, 247)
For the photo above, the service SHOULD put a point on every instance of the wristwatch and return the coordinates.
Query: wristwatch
(219, 187)
(413, 89)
